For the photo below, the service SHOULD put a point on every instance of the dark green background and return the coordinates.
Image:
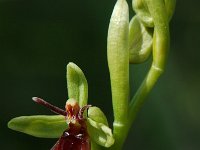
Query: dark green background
(39, 37)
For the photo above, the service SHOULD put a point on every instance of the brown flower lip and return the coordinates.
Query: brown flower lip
(76, 136)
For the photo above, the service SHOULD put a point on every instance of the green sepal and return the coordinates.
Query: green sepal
(100, 133)
(98, 129)
(42, 126)
(97, 115)
(95, 146)
(77, 84)
(140, 41)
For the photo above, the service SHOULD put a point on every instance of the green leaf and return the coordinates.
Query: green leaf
(77, 84)
(42, 126)
(140, 41)
(100, 133)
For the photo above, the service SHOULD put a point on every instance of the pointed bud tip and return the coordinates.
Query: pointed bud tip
(70, 65)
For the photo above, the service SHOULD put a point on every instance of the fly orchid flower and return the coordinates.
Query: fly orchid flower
(76, 128)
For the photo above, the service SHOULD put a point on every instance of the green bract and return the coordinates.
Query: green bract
(97, 115)
(140, 41)
(40, 126)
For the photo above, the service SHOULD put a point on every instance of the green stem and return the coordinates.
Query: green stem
(158, 11)
(120, 134)
(136, 103)
(160, 49)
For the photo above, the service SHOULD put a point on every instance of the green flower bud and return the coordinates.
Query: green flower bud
(142, 10)
(140, 41)
(170, 7)
(118, 59)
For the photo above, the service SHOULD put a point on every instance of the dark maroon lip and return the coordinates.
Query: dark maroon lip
(76, 136)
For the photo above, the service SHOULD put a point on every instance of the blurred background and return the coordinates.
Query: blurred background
(39, 37)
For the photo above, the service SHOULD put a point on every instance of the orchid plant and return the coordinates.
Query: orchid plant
(83, 127)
